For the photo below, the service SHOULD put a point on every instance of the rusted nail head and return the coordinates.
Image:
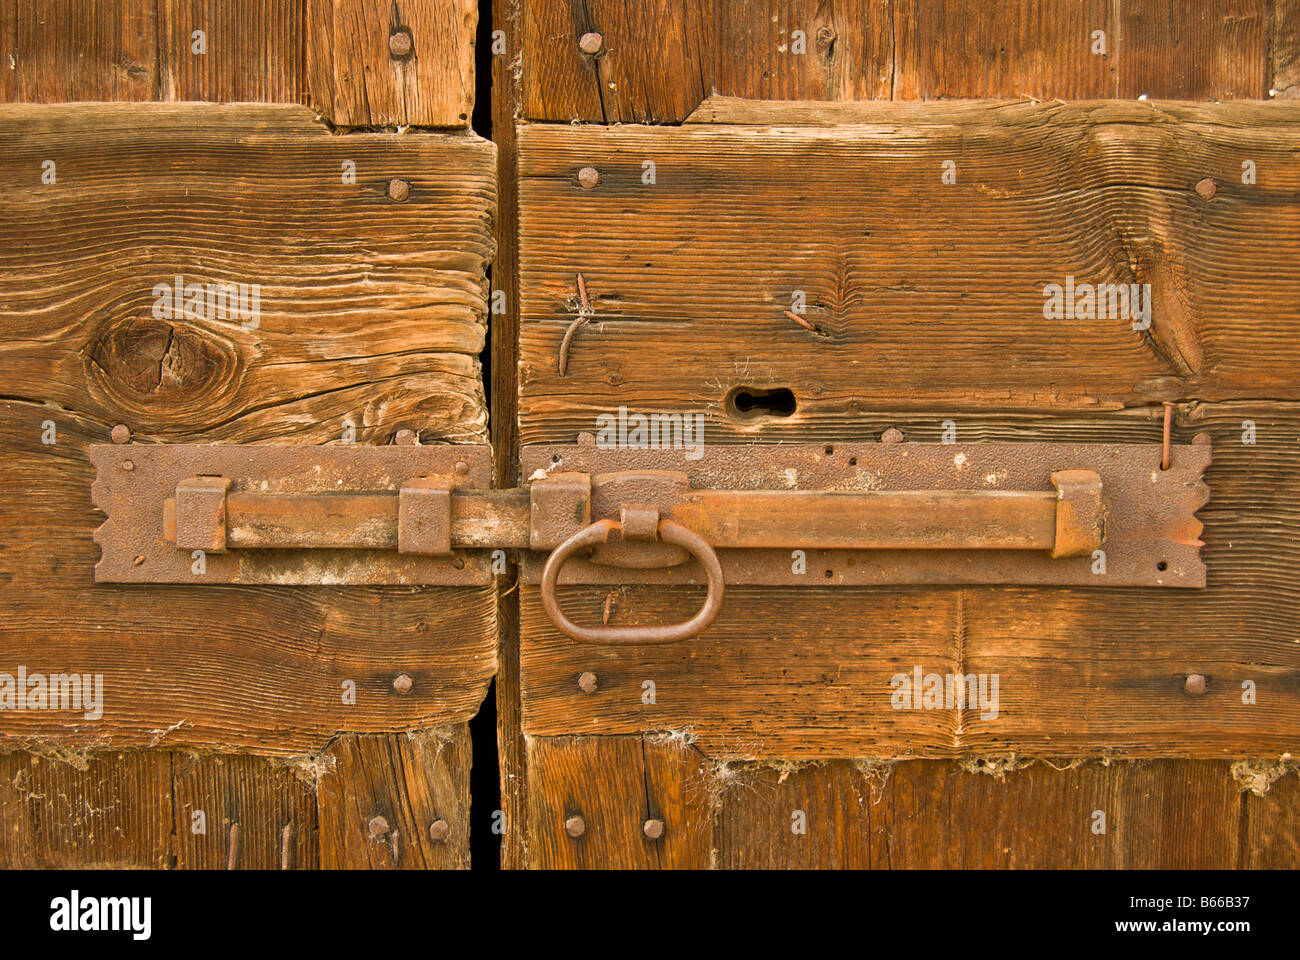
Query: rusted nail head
(1207, 188)
(399, 43)
(461, 468)
(120, 433)
(398, 190)
(587, 682)
(588, 177)
(1195, 685)
(653, 829)
(403, 683)
(377, 826)
(439, 831)
(575, 826)
(892, 435)
(404, 437)
(591, 43)
(128, 465)
(587, 439)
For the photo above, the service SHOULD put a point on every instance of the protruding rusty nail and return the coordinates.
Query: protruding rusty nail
(128, 465)
(587, 682)
(892, 435)
(575, 826)
(137, 561)
(588, 177)
(399, 44)
(591, 43)
(403, 683)
(398, 190)
(232, 858)
(404, 438)
(1207, 188)
(653, 829)
(461, 468)
(801, 321)
(121, 433)
(1194, 685)
(377, 826)
(439, 831)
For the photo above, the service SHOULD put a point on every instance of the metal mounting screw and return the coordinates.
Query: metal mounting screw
(587, 682)
(588, 177)
(399, 44)
(398, 190)
(575, 826)
(121, 433)
(403, 683)
(591, 43)
(1195, 684)
(653, 829)
(439, 831)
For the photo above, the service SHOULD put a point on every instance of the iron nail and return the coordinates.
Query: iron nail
(404, 438)
(398, 190)
(588, 177)
(128, 465)
(120, 433)
(461, 468)
(399, 44)
(653, 829)
(286, 846)
(575, 826)
(587, 682)
(1207, 188)
(232, 858)
(403, 683)
(801, 321)
(1164, 449)
(591, 43)
(377, 826)
(439, 831)
(892, 435)
(1195, 684)
(137, 561)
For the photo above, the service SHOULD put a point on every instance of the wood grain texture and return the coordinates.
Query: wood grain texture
(661, 59)
(1194, 51)
(252, 51)
(355, 79)
(380, 795)
(615, 784)
(1286, 49)
(372, 314)
(920, 291)
(807, 672)
(1014, 48)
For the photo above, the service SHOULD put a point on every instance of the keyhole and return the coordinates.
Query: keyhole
(750, 402)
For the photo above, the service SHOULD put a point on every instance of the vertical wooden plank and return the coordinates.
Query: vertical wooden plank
(85, 810)
(614, 785)
(805, 49)
(54, 51)
(1215, 49)
(379, 797)
(253, 50)
(1271, 826)
(1011, 49)
(371, 82)
(1286, 49)
(254, 815)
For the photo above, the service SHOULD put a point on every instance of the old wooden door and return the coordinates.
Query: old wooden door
(773, 235)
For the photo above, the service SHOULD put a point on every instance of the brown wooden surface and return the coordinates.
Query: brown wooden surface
(661, 59)
(333, 54)
(1158, 814)
(358, 324)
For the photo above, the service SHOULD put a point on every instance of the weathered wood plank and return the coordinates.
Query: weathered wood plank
(250, 50)
(380, 797)
(360, 76)
(1010, 49)
(1271, 832)
(1217, 49)
(920, 291)
(372, 313)
(613, 785)
(807, 671)
(1286, 49)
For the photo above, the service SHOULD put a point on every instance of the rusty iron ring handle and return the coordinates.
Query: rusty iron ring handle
(669, 532)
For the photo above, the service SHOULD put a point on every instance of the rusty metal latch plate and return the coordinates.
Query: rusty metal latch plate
(1047, 502)
(254, 514)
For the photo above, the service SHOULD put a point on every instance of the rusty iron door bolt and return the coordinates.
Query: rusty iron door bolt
(403, 683)
(121, 433)
(591, 43)
(1195, 684)
(439, 831)
(575, 826)
(1207, 188)
(653, 829)
(398, 190)
(377, 826)
(587, 682)
(588, 177)
(399, 44)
